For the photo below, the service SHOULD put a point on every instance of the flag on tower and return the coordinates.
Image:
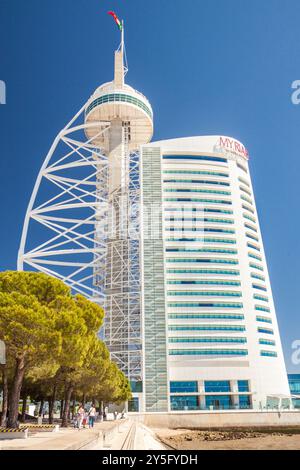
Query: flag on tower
(118, 22)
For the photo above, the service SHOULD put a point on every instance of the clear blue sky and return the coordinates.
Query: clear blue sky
(208, 67)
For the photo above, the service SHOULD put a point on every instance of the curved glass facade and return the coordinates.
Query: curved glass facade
(116, 98)
(212, 310)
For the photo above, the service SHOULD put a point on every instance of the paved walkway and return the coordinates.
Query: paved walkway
(130, 436)
(64, 439)
(108, 435)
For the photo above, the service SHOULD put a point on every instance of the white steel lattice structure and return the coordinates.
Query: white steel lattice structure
(84, 211)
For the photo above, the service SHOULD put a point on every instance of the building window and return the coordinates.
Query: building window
(263, 319)
(206, 304)
(194, 157)
(266, 331)
(211, 339)
(205, 316)
(217, 386)
(208, 293)
(202, 260)
(136, 386)
(249, 217)
(261, 308)
(268, 353)
(294, 382)
(133, 405)
(207, 328)
(204, 201)
(245, 402)
(267, 342)
(230, 272)
(205, 240)
(243, 386)
(218, 402)
(256, 266)
(259, 287)
(208, 352)
(183, 387)
(210, 182)
(247, 208)
(181, 403)
(193, 190)
(253, 255)
(185, 209)
(196, 172)
(261, 297)
(206, 283)
(254, 247)
(226, 251)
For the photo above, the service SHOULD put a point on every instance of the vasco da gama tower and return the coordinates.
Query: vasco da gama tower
(166, 236)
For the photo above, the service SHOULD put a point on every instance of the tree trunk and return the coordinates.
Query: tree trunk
(23, 413)
(73, 408)
(41, 407)
(83, 399)
(62, 405)
(5, 397)
(52, 400)
(68, 394)
(14, 396)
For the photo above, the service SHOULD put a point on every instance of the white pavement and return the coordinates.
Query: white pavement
(131, 436)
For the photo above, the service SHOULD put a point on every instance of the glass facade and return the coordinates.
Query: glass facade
(205, 267)
(119, 97)
(215, 395)
(183, 387)
(217, 386)
(218, 402)
(243, 386)
(294, 383)
(244, 402)
(133, 405)
(181, 403)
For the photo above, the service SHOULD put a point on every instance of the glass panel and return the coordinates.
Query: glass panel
(183, 387)
(218, 402)
(217, 385)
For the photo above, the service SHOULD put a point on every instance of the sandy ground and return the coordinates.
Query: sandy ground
(182, 439)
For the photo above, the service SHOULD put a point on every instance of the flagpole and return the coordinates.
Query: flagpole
(122, 37)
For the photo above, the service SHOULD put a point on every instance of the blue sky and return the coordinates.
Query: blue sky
(207, 67)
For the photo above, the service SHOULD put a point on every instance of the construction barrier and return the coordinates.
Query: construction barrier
(12, 433)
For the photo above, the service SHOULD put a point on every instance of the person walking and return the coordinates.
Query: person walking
(92, 416)
(80, 416)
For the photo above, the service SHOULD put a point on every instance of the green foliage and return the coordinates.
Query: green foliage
(51, 337)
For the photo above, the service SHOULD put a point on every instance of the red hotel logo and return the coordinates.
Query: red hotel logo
(233, 146)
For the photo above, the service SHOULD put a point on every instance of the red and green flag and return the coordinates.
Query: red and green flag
(118, 22)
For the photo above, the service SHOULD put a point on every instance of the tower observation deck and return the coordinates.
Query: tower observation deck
(130, 118)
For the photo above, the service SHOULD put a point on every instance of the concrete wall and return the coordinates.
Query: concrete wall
(220, 419)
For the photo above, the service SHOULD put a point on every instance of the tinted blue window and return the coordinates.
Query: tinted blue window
(243, 386)
(183, 387)
(218, 402)
(194, 157)
(208, 352)
(217, 386)
(294, 382)
(184, 403)
(244, 402)
(265, 330)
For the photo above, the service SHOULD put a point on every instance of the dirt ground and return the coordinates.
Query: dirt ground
(182, 439)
